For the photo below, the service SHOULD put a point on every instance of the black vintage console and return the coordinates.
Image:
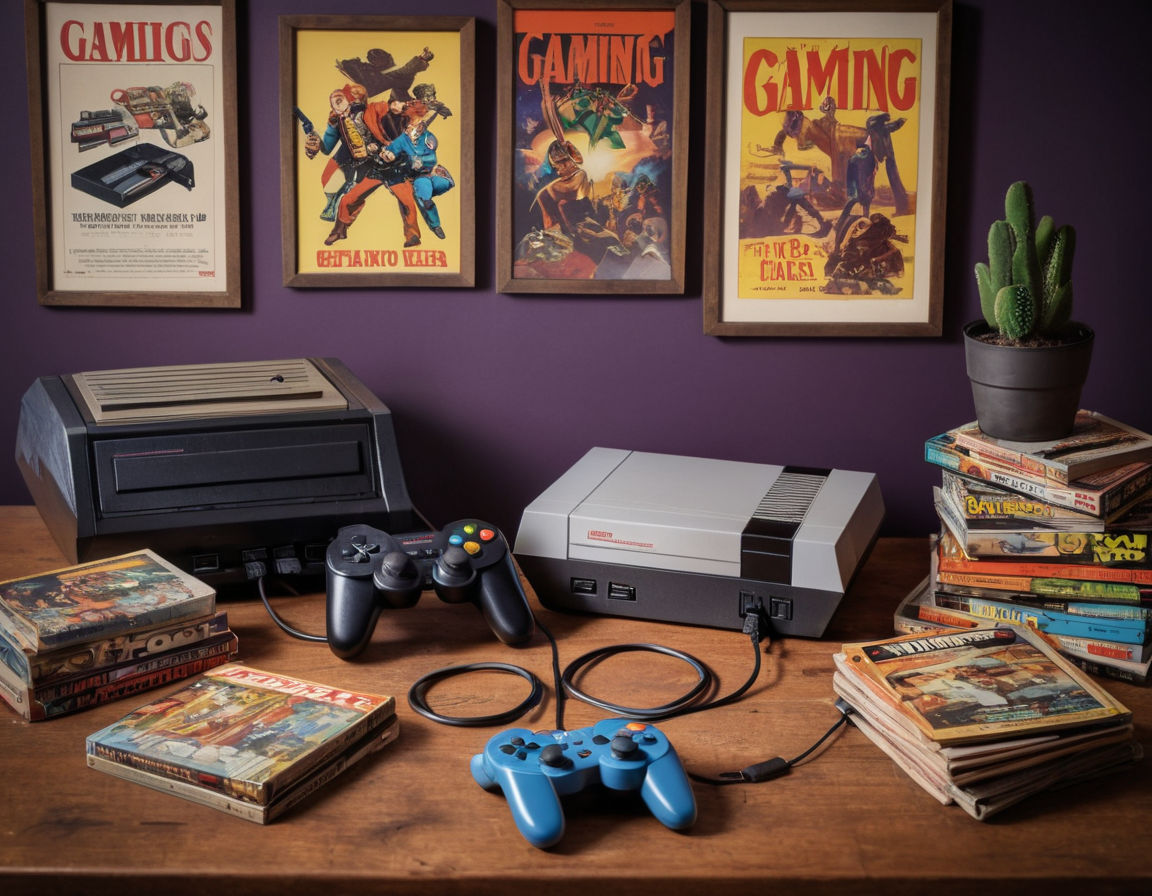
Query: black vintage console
(227, 470)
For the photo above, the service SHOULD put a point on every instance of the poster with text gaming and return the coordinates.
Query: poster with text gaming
(593, 166)
(377, 117)
(137, 145)
(828, 167)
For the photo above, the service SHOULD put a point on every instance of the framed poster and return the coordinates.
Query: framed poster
(827, 134)
(592, 152)
(377, 147)
(133, 132)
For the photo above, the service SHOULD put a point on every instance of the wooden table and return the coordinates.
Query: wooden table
(411, 819)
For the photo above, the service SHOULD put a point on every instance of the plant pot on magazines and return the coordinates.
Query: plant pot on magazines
(1027, 394)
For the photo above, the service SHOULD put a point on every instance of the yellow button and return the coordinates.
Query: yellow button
(471, 547)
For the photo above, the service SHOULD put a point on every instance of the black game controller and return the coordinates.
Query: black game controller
(367, 570)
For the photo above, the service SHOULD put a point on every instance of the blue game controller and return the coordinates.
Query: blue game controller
(535, 769)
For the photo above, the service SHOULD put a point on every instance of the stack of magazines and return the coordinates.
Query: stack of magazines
(983, 718)
(243, 741)
(1051, 535)
(82, 636)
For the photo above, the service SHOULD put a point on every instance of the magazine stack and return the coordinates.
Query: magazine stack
(1053, 536)
(243, 741)
(88, 634)
(983, 718)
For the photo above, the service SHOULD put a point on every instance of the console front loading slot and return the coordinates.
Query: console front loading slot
(298, 463)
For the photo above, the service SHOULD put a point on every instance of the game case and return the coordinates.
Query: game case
(982, 507)
(246, 733)
(985, 796)
(372, 742)
(1096, 443)
(1114, 547)
(100, 599)
(1106, 493)
(1100, 621)
(39, 703)
(967, 764)
(917, 614)
(959, 687)
(951, 558)
(1103, 592)
(137, 645)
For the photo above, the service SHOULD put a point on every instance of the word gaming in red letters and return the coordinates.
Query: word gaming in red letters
(591, 59)
(136, 41)
(883, 79)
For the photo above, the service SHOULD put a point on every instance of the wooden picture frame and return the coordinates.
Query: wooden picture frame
(592, 146)
(132, 124)
(340, 227)
(823, 115)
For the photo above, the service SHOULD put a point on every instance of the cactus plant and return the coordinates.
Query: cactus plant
(1025, 286)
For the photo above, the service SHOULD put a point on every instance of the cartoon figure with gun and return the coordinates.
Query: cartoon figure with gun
(353, 133)
(358, 141)
(419, 144)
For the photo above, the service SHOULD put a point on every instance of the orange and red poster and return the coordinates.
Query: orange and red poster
(593, 164)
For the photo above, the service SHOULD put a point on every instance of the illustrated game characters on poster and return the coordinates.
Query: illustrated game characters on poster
(593, 155)
(375, 171)
(828, 167)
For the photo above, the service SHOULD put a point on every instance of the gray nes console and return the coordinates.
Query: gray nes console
(697, 541)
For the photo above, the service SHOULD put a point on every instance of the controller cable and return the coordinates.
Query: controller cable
(564, 685)
(288, 629)
(753, 774)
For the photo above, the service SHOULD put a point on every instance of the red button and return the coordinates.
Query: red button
(487, 534)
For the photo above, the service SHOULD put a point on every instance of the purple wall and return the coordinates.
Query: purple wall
(1048, 90)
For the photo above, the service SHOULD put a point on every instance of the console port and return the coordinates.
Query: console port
(583, 587)
(617, 591)
(203, 563)
(750, 602)
(780, 608)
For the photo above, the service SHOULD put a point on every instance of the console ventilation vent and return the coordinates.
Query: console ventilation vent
(206, 390)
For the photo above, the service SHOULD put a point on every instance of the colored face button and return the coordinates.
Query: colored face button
(471, 547)
(487, 534)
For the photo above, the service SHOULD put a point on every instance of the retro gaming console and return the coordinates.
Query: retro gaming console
(697, 541)
(227, 470)
(133, 173)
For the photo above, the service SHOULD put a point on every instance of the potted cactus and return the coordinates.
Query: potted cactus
(1027, 359)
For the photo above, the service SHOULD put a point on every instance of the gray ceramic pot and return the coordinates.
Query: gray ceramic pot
(1027, 394)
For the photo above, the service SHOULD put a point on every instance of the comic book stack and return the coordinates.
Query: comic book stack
(243, 741)
(1052, 535)
(88, 634)
(983, 718)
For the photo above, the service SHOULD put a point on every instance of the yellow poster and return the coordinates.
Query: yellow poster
(381, 149)
(829, 167)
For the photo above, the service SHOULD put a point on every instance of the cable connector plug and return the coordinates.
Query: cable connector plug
(765, 771)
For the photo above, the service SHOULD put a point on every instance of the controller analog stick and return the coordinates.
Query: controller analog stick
(397, 570)
(553, 757)
(623, 747)
(454, 567)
